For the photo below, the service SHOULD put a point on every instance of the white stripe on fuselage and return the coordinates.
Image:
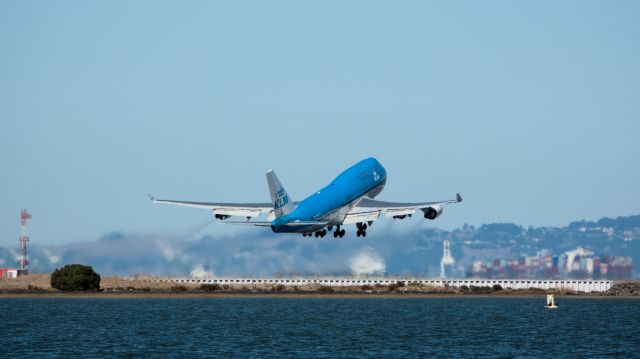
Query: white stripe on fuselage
(338, 215)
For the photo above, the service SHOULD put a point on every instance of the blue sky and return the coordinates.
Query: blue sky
(529, 109)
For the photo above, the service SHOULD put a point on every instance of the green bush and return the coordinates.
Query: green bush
(210, 287)
(325, 289)
(497, 287)
(395, 286)
(33, 287)
(75, 277)
(479, 289)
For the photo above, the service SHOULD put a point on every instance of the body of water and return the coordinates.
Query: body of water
(324, 327)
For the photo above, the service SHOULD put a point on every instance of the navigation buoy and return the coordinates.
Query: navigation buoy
(551, 303)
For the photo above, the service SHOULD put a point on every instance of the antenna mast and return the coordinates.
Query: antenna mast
(24, 238)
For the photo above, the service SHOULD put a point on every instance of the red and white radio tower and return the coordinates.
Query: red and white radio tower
(24, 263)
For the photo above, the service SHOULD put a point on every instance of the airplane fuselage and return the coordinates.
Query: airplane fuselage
(348, 199)
(332, 203)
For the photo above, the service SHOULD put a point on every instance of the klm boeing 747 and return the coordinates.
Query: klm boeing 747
(348, 199)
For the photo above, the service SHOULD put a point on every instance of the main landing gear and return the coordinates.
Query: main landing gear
(362, 229)
(339, 232)
(317, 234)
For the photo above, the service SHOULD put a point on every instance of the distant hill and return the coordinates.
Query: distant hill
(400, 247)
(607, 237)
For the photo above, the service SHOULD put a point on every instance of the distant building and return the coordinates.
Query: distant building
(577, 263)
(8, 273)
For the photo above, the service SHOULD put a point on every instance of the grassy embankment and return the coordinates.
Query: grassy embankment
(38, 285)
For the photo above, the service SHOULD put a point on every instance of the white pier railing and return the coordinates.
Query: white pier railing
(579, 285)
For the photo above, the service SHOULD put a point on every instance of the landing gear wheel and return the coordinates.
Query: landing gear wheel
(364, 234)
(342, 233)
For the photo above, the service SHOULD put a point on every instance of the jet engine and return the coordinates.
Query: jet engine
(432, 212)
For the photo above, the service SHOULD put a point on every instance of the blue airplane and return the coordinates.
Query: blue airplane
(348, 199)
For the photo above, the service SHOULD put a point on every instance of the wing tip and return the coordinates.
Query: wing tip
(458, 197)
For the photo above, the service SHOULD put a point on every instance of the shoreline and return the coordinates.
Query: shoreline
(38, 286)
(286, 295)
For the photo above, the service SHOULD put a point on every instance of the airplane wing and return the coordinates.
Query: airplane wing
(368, 210)
(223, 210)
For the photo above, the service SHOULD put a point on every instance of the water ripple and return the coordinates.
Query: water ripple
(367, 327)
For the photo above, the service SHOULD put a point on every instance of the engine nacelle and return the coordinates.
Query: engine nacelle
(432, 212)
